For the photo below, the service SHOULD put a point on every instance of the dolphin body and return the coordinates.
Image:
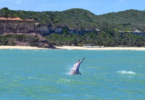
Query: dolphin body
(75, 68)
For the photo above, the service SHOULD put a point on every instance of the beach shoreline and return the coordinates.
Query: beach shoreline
(98, 48)
(73, 48)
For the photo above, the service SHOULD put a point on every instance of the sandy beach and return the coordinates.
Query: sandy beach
(99, 48)
(74, 48)
(20, 47)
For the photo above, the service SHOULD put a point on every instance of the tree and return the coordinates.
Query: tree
(5, 8)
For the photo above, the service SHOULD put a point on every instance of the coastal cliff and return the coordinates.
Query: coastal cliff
(47, 22)
(16, 25)
(22, 39)
(46, 30)
(20, 32)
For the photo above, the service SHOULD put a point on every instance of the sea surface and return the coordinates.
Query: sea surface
(43, 75)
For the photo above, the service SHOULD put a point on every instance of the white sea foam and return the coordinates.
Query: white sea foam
(64, 81)
(126, 72)
(67, 73)
(69, 49)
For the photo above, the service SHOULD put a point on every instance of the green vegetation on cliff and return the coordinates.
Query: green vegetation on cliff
(98, 39)
(83, 19)
(24, 40)
(14, 39)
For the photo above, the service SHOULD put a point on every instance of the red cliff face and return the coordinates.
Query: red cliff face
(16, 25)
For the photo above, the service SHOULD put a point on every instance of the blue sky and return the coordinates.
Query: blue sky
(96, 6)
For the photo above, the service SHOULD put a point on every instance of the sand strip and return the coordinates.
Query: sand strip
(99, 48)
(75, 48)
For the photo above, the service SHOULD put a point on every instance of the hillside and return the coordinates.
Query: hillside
(79, 19)
(125, 20)
(75, 18)
(128, 16)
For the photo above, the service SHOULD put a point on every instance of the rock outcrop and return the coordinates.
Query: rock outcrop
(16, 25)
(42, 41)
(45, 30)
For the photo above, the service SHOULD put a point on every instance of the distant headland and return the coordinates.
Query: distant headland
(72, 27)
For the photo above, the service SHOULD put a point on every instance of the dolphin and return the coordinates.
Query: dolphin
(75, 68)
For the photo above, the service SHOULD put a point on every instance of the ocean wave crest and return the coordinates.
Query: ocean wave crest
(126, 72)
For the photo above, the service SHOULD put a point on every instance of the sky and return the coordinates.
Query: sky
(97, 7)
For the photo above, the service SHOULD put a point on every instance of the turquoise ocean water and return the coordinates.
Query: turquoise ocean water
(43, 75)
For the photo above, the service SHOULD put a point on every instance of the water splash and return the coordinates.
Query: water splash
(126, 72)
(68, 70)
